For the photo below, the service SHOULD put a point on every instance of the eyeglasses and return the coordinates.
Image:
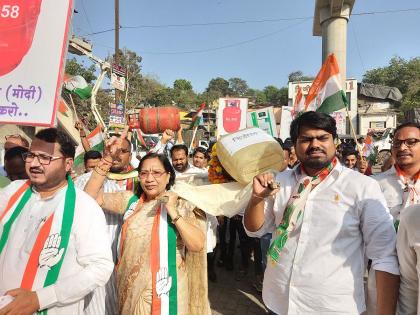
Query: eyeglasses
(43, 159)
(155, 174)
(409, 143)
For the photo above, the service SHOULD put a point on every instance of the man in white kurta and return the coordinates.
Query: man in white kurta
(87, 263)
(38, 236)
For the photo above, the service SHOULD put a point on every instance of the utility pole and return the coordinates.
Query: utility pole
(117, 39)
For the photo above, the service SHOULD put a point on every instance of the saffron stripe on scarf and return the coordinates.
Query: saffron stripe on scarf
(8, 225)
(155, 262)
(32, 265)
(163, 256)
(14, 198)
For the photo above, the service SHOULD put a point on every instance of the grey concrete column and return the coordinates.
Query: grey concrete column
(334, 36)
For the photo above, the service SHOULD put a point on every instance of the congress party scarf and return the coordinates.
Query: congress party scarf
(411, 189)
(293, 214)
(162, 257)
(61, 221)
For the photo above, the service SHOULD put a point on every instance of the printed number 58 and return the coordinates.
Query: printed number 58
(10, 11)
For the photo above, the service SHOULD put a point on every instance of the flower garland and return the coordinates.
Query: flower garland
(217, 174)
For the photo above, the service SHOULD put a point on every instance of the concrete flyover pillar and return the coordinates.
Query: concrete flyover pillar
(330, 22)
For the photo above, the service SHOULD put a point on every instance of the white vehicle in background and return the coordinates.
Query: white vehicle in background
(383, 145)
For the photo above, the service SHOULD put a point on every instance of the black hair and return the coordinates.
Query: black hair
(92, 155)
(177, 147)
(53, 135)
(405, 125)
(166, 165)
(279, 141)
(14, 152)
(202, 150)
(346, 153)
(313, 120)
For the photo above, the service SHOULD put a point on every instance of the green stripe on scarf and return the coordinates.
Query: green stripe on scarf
(9, 223)
(66, 225)
(173, 293)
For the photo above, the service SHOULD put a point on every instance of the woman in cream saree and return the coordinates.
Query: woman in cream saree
(162, 258)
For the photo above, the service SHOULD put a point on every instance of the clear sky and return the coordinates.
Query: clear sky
(262, 53)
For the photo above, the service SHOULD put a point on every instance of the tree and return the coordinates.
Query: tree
(183, 94)
(182, 84)
(75, 68)
(238, 87)
(400, 73)
(299, 76)
(218, 87)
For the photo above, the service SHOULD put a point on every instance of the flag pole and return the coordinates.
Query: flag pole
(354, 133)
(193, 137)
(74, 107)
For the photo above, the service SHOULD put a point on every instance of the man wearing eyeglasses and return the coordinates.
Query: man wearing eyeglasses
(401, 187)
(400, 183)
(53, 241)
(122, 176)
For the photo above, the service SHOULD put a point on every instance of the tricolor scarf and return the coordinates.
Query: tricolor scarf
(162, 257)
(38, 272)
(293, 214)
(410, 187)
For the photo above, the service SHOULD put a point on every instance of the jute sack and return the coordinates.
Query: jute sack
(249, 152)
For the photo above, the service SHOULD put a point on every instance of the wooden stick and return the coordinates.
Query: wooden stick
(192, 140)
(74, 107)
(359, 149)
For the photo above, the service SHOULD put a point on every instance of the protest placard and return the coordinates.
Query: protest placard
(231, 115)
(33, 45)
(264, 119)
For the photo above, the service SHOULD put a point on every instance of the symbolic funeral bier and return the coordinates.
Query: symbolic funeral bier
(249, 152)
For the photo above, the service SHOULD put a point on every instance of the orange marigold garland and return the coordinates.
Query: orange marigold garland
(217, 174)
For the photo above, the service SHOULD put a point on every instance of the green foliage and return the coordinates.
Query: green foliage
(276, 96)
(219, 87)
(182, 85)
(400, 73)
(238, 87)
(75, 68)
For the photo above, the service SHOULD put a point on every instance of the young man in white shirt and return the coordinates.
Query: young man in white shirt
(325, 219)
(54, 248)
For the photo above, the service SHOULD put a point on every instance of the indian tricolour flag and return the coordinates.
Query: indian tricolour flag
(77, 85)
(96, 141)
(326, 94)
(299, 105)
(197, 118)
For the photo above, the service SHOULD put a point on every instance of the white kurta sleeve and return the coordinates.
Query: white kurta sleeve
(269, 219)
(378, 230)
(93, 250)
(408, 249)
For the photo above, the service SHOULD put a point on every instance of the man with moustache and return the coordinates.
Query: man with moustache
(122, 176)
(53, 241)
(323, 226)
(401, 187)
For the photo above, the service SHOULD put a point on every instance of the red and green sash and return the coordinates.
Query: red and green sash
(162, 258)
(61, 221)
(293, 214)
(411, 190)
